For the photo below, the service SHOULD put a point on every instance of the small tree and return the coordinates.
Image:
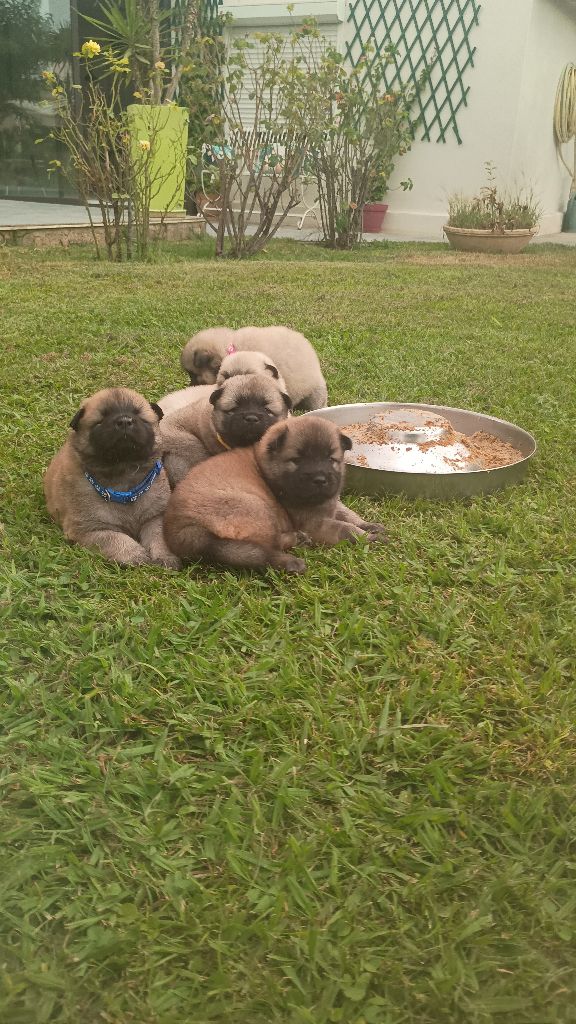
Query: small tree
(108, 162)
(257, 156)
(355, 126)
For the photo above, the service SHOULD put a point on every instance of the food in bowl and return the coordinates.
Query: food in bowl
(422, 441)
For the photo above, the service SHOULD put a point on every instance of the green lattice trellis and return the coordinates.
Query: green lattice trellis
(422, 30)
(209, 12)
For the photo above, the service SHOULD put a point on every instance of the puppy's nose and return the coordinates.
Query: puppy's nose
(124, 421)
(251, 417)
(320, 479)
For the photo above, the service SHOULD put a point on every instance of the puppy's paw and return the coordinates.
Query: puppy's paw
(167, 561)
(303, 540)
(294, 566)
(375, 533)
(374, 528)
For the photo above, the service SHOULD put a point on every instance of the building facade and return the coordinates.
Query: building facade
(490, 99)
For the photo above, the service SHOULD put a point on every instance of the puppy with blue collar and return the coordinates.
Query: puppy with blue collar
(107, 487)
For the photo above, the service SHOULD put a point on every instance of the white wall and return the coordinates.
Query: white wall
(551, 45)
(521, 49)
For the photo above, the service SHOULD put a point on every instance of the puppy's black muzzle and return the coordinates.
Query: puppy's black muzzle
(246, 428)
(121, 436)
(311, 488)
(325, 485)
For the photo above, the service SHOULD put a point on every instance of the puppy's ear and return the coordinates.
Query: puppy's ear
(201, 358)
(76, 418)
(159, 412)
(213, 398)
(345, 442)
(278, 441)
(287, 400)
(272, 369)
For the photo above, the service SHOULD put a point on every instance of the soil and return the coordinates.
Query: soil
(485, 451)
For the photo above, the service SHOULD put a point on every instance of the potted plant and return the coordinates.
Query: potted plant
(494, 221)
(146, 46)
(375, 210)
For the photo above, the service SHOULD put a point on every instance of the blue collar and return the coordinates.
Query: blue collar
(125, 497)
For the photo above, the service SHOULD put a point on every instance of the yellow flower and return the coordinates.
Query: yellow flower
(57, 91)
(160, 65)
(90, 49)
(55, 163)
(144, 145)
(49, 76)
(137, 95)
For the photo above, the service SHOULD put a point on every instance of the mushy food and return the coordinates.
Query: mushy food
(424, 442)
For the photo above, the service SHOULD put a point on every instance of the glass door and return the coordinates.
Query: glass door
(35, 35)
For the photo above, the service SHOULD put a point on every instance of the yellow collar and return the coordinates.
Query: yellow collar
(223, 443)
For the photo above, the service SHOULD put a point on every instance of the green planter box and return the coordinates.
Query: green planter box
(168, 128)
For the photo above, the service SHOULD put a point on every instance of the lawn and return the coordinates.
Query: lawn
(346, 797)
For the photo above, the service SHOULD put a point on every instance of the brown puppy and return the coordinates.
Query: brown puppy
(291, 352)
(112, 447)
(233, 416)
(248, 507)
(231, 366)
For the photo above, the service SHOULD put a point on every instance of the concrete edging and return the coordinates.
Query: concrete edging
(42, 236)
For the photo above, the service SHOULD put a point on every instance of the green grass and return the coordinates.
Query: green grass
(346, 797)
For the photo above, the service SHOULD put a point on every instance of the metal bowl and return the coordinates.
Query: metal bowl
(425, 474)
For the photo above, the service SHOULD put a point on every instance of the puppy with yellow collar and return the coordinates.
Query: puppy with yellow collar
(235, 415)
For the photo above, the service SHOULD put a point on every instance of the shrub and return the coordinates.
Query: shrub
(356, 128)
(313, 115)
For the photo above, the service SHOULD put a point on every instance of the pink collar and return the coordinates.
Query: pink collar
(231, 350)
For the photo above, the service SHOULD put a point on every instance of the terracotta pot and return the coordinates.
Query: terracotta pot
(209, 204)
(484, 240)
(373, 217)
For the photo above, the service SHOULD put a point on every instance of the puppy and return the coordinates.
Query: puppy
(248, 507)
(293, 355)
(106, 486)
(234, 415)
(231, 366)
(249, 362)
(184, 396)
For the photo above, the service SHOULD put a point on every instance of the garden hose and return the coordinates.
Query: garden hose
(564, 131)
(565, 117)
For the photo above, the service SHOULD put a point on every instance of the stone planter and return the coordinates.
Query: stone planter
(483, 240)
